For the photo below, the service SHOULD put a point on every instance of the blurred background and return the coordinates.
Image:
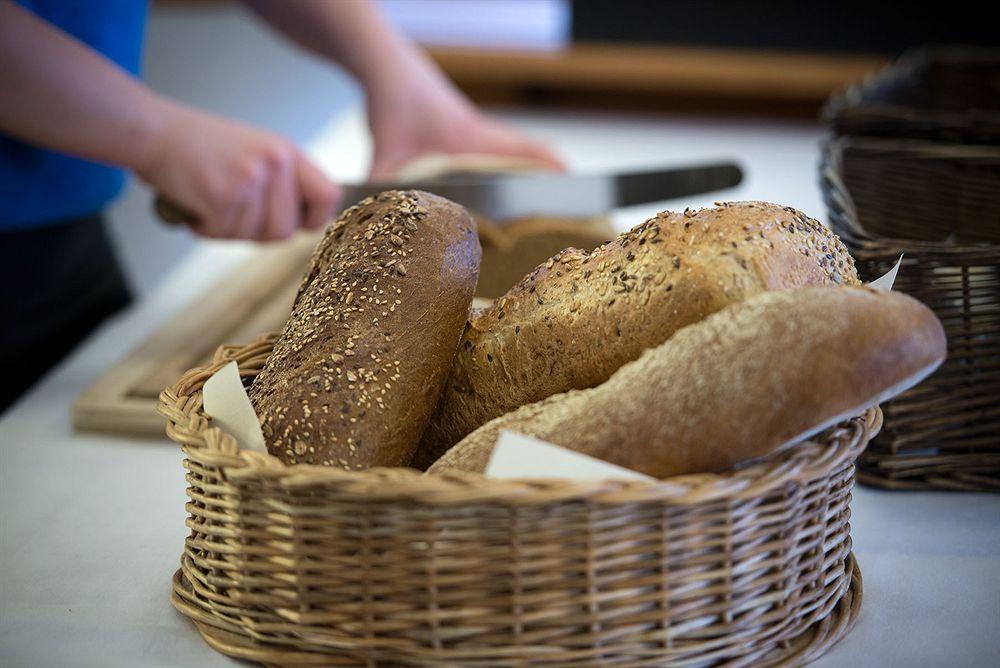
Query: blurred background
(776, 60)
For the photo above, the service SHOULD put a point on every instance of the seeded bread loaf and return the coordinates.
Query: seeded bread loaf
(359, 365)
(742, 383)
(576, 319)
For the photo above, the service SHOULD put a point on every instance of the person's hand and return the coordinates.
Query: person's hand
(240, 182)
(425, 115)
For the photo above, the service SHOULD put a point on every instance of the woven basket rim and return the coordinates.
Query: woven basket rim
(841, 205)
(187, 424)
(915, 146)
(851, 100)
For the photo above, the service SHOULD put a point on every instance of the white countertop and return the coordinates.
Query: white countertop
(92, 526)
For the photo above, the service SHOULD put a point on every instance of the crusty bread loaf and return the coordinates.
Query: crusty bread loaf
(576, 319)
(359, 366)
(742, 383)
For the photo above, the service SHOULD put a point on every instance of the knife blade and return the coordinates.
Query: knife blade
(502, 197)
(511, 196)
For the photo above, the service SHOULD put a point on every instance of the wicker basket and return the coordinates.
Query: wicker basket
(921, 191)
(935, 198)
(942, 434)
(306, 565)
(919, 146)
(944, 94)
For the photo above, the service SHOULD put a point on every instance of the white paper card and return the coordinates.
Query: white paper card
(519, 456)
(885, 282)
(227, 403)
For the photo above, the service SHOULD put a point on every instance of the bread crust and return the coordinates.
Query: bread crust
(580, 316)
(358, 367)
(744, 382)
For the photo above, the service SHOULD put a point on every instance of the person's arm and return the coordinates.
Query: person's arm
(57, 93)
(412, 107)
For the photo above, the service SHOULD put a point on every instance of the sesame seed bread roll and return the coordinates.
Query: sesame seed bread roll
(744, 382)
(577, 318)
(356, 372)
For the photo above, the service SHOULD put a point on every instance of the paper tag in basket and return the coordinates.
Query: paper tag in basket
(519, 456)
(226, 401)
(885, 281)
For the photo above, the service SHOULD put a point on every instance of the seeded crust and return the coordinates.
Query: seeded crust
(740, 384)
(577, 318)
(359, 365)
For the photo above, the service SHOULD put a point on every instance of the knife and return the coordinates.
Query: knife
(502, 197)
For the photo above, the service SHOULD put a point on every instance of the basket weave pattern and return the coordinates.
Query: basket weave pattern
(309, 565)
(942, 94)
(943, 433)
(913, 168)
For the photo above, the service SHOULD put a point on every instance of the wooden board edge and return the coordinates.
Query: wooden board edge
(120, 416)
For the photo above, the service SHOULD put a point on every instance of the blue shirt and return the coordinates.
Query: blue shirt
(39, 187)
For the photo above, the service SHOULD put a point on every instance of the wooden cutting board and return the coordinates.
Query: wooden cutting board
(256, 298)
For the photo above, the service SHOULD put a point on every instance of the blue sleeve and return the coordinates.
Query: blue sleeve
(39, 187)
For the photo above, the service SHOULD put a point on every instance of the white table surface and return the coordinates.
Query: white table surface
(91, 526)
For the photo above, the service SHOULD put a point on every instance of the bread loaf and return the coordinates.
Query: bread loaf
(359, 365)
(742, 383)
(577, 318)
